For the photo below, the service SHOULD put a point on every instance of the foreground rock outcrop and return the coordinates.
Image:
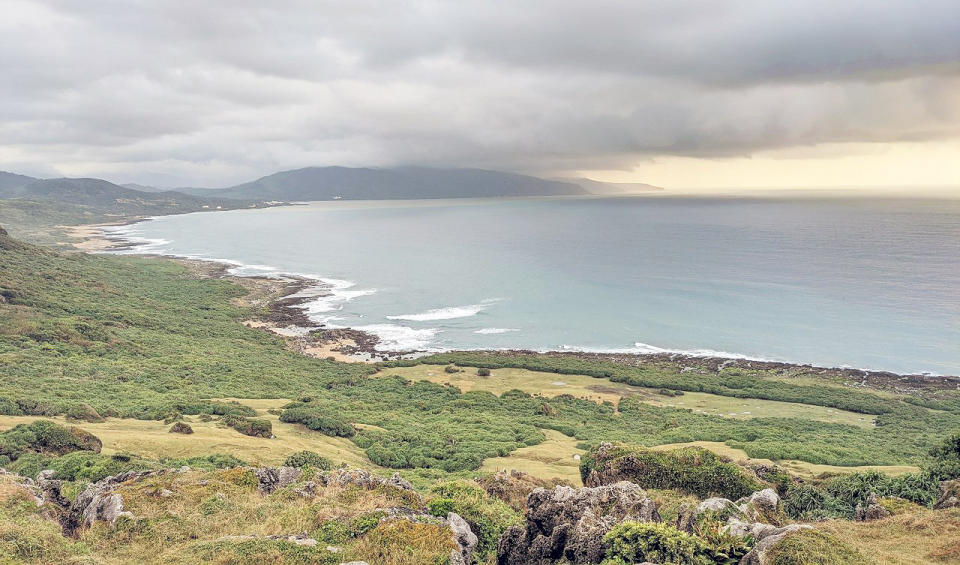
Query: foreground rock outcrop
(569, 524)
(872, 510)
(949, 495)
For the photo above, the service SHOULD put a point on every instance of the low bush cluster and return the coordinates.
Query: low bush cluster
(308, 459)
(635, 542)
(838, 497)
(249, 426)
(312, 417)
(691, 470)
(46, 438)
(487, 516)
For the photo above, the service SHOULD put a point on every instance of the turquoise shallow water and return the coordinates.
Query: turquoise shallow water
(855, 282)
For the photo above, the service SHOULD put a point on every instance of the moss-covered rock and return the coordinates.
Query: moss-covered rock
(181, 428)
(811, 547)
(692, 470)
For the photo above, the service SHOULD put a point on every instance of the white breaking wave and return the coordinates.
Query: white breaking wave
(399, 338)
(328, 295)
(445, 313)
(640, 348)
(131, 236)
(489, 331)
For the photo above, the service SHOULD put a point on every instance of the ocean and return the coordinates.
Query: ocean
(871, 283)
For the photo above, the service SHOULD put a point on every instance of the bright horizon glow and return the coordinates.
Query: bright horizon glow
(932, 166)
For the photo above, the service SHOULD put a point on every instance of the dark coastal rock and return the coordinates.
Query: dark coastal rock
(273, 478)
(949, 495)
(569, 524)
(872, 510)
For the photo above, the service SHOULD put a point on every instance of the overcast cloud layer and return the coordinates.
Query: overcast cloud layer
(218, 92)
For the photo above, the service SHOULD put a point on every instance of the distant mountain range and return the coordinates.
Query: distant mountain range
(333, 183)
(309, 184)
(106, 197)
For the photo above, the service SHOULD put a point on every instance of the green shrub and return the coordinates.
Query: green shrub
(205, 462)
(79, 465)
(308, 459)
(262, 551)
(314, 419)
(440, 507)
(634, 542)
(488, 517)
(45, 437)
(83, 412)
(333, 532)
(249, 426)
(692, 470)
(483, 372)
(946, 459)
(451, 369)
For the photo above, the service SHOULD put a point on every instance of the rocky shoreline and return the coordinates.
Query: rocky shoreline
(285, 316)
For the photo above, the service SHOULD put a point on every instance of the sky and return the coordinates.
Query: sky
(693, 94)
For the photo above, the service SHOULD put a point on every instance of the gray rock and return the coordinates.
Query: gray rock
(104, 507)
(307, 489)
(949, 495)
(399, 482)
(464, 536)
(299, 539)
(569, 524)
(98, 502)
(759, 555)
(50, 489)
(686, 517)
(766, 500)
(872, 510)
(714, 505)
(273, 478)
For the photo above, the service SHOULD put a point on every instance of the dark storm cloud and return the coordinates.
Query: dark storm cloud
(214, 92)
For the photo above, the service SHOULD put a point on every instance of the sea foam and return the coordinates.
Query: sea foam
(449, 313)
(399, 338)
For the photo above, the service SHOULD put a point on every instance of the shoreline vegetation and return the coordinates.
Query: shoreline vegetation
(351, 345)
(151, 401)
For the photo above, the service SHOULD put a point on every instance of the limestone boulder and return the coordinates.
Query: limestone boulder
(569, 524)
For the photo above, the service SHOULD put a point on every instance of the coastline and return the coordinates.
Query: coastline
(281, 296)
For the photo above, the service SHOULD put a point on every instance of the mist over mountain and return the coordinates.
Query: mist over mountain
(11, 181)
(612, 188)
(334, 183)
